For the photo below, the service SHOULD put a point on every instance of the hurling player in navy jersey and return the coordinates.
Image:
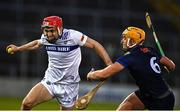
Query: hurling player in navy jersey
(145, 64)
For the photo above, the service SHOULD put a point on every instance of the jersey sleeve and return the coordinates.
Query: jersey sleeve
(125, 60)
(79, 37)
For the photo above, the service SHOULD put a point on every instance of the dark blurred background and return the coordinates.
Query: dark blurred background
(102, 20)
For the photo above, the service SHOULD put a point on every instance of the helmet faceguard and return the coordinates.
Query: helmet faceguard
(133, 34)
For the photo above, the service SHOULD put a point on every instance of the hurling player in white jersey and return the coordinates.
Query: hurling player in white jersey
(61, 80)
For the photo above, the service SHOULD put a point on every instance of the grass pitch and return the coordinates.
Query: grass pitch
(7, 103)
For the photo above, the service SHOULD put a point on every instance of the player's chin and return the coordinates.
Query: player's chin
(52, 41)
(125, 49)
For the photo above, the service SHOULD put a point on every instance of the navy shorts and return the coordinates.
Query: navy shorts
(163, 103)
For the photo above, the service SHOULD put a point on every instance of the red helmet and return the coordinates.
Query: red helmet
(52, 21)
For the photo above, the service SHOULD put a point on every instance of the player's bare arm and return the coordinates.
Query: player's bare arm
(29, 46)
(106, 72)
(90, 43)
(168, 63)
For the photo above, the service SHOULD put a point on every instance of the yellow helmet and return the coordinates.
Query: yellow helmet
(134, 33)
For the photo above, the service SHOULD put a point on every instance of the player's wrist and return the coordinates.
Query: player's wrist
(18, 49)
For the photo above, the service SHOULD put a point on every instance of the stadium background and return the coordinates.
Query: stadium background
(102, 20)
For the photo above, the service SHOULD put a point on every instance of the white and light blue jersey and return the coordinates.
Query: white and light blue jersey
(64, 56)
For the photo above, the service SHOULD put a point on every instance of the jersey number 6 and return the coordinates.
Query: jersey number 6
(155, 66)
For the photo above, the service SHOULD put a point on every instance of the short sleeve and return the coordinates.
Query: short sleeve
(79, 37)
(123, 61)
(127, 60)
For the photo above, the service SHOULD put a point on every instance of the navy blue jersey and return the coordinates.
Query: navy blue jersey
(143, 64)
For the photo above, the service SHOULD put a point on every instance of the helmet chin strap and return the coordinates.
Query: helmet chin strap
(128, 44)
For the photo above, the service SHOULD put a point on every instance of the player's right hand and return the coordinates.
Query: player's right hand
(13, 47)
